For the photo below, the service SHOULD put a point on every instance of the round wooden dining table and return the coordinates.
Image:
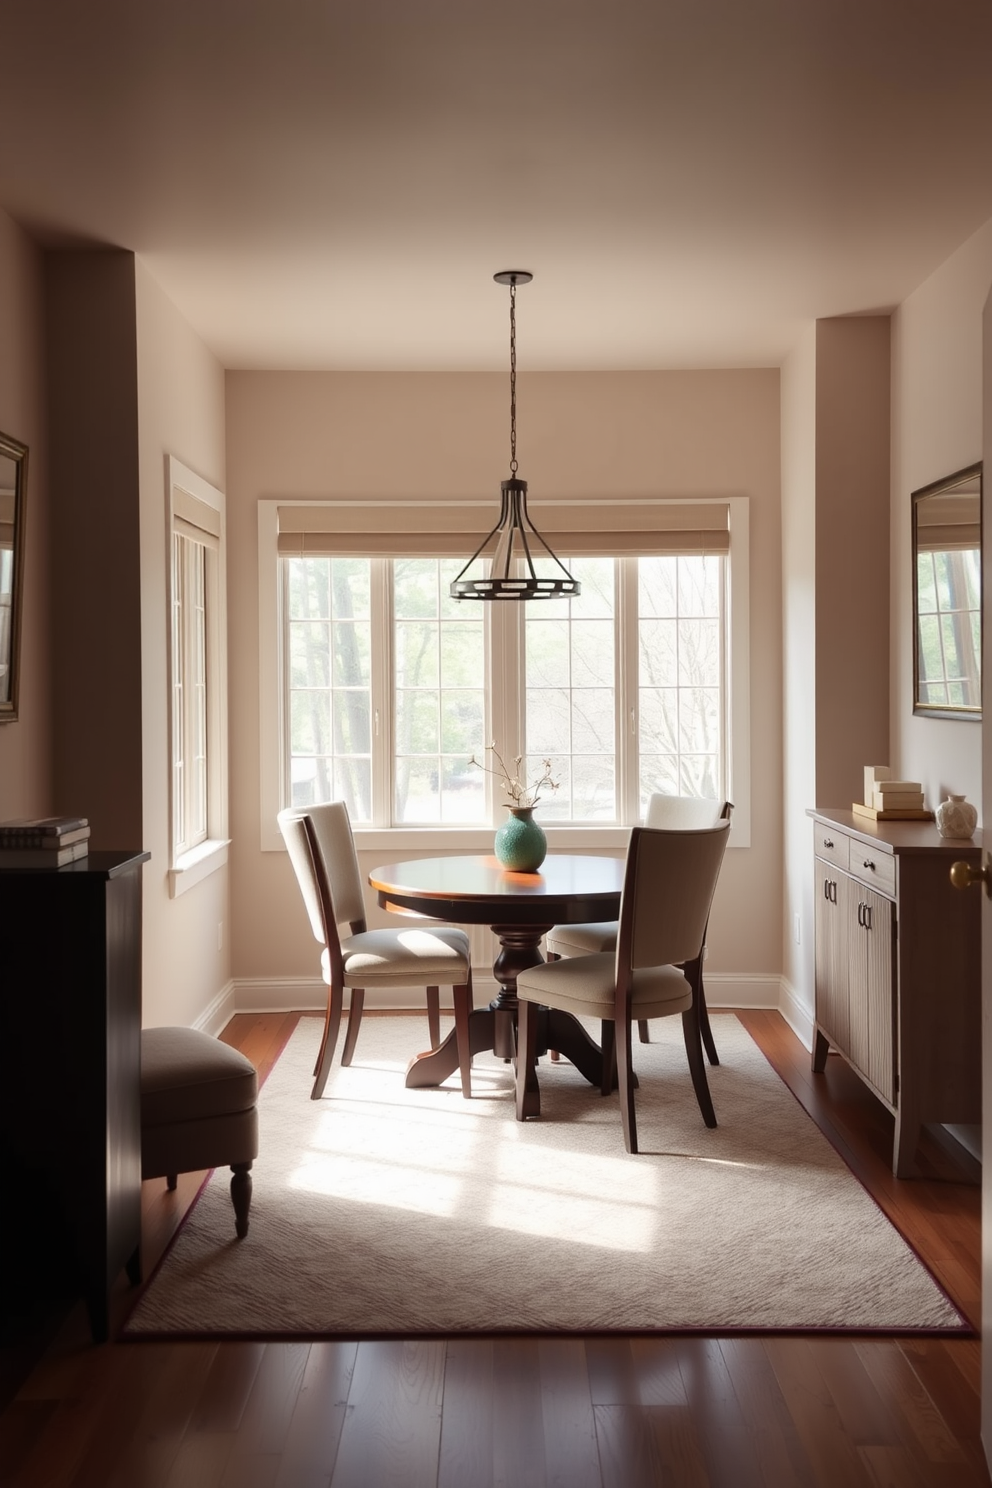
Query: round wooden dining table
(519, 908)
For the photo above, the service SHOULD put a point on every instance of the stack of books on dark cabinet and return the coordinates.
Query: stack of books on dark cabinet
(43, 841)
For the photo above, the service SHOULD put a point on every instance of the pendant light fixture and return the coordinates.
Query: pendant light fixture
(515, 533)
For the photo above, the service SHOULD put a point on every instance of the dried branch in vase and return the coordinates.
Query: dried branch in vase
(520, 794)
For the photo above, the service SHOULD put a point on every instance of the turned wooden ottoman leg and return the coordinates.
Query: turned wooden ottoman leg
(241, 1196)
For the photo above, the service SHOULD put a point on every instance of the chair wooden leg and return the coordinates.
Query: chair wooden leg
(528, 1091)
(434, 1016)
(463, 1007)
(704, 1023)
(642, 1031)
(354, 1024)
(608, 1043)
(697, 1069)
(332, 1022)
(335, 1000)
(624, 1054)
(241, 1196)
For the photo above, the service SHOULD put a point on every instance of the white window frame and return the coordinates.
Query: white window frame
(579, 837)
(193, 865)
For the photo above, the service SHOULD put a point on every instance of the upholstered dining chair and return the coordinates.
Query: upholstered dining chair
(683, 813)
(322, 851)
(669, 882)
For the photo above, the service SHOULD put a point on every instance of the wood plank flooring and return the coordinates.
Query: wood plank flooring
(814, 1411)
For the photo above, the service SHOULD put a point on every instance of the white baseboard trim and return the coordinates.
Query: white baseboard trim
(741, 989)
(308, 994)
(218, 1013)
(795, 1012)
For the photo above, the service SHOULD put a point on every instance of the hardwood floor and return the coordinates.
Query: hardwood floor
(728, 1412)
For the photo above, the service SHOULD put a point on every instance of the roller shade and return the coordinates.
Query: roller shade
(948, 523)
(195, 519)
(607, 529)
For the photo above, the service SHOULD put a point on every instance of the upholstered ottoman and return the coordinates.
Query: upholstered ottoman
(198, 1110)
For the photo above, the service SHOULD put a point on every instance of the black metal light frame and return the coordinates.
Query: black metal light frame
(514, 525)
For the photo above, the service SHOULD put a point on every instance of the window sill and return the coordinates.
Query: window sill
(197, 864)
(480, 839)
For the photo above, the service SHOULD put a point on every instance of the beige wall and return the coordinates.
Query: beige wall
(180, 413)
(443, 435)
(835, 484)
(799, 673)
(936, 429)
(852, 532)
(95, 576)
(26, 782)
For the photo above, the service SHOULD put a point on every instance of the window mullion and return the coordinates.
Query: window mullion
(627, 721)
(383, 784)
(179, 754)
(189, 691)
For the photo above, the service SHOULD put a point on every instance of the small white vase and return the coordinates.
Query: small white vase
(956, 817)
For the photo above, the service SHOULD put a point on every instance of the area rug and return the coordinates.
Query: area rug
(380, 1211)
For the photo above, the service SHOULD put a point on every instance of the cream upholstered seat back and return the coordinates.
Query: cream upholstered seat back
(292, 825)
(332, 832)
(668, 890)
(683, 813)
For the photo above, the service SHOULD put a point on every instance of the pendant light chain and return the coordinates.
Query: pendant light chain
(514, 542)
(513, 377)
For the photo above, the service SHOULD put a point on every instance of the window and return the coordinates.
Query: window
(197, 725)
(390, 686)
(377, 651)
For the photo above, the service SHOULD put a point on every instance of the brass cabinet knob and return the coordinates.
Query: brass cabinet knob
(963, 875)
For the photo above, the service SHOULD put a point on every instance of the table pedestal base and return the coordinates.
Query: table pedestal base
(494, 1028)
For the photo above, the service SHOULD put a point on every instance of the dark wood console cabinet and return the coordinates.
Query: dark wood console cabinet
(898, 969)
(70, 1117)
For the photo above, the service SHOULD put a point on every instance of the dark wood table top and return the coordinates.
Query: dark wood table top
(476, 889)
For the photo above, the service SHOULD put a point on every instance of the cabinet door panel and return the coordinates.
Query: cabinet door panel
(832, 891)
(880, 1064)
(859, 974)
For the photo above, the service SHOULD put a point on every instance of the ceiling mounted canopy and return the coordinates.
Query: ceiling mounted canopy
(514, 539)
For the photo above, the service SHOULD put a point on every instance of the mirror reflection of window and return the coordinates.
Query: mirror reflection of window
(947, 533)
(13, 489)
(7, 513)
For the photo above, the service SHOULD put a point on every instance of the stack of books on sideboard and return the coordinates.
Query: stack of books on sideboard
(891, 800)
(43, 841)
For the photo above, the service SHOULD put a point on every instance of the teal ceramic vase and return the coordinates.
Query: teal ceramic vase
(520, 842)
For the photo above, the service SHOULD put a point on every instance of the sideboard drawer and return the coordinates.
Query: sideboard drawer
(832, 845)
(872, 867)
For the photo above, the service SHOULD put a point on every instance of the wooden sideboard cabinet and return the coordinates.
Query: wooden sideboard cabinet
(898, 969)
(70, 1097)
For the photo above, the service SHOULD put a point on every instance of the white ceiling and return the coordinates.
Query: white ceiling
(333, 183)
